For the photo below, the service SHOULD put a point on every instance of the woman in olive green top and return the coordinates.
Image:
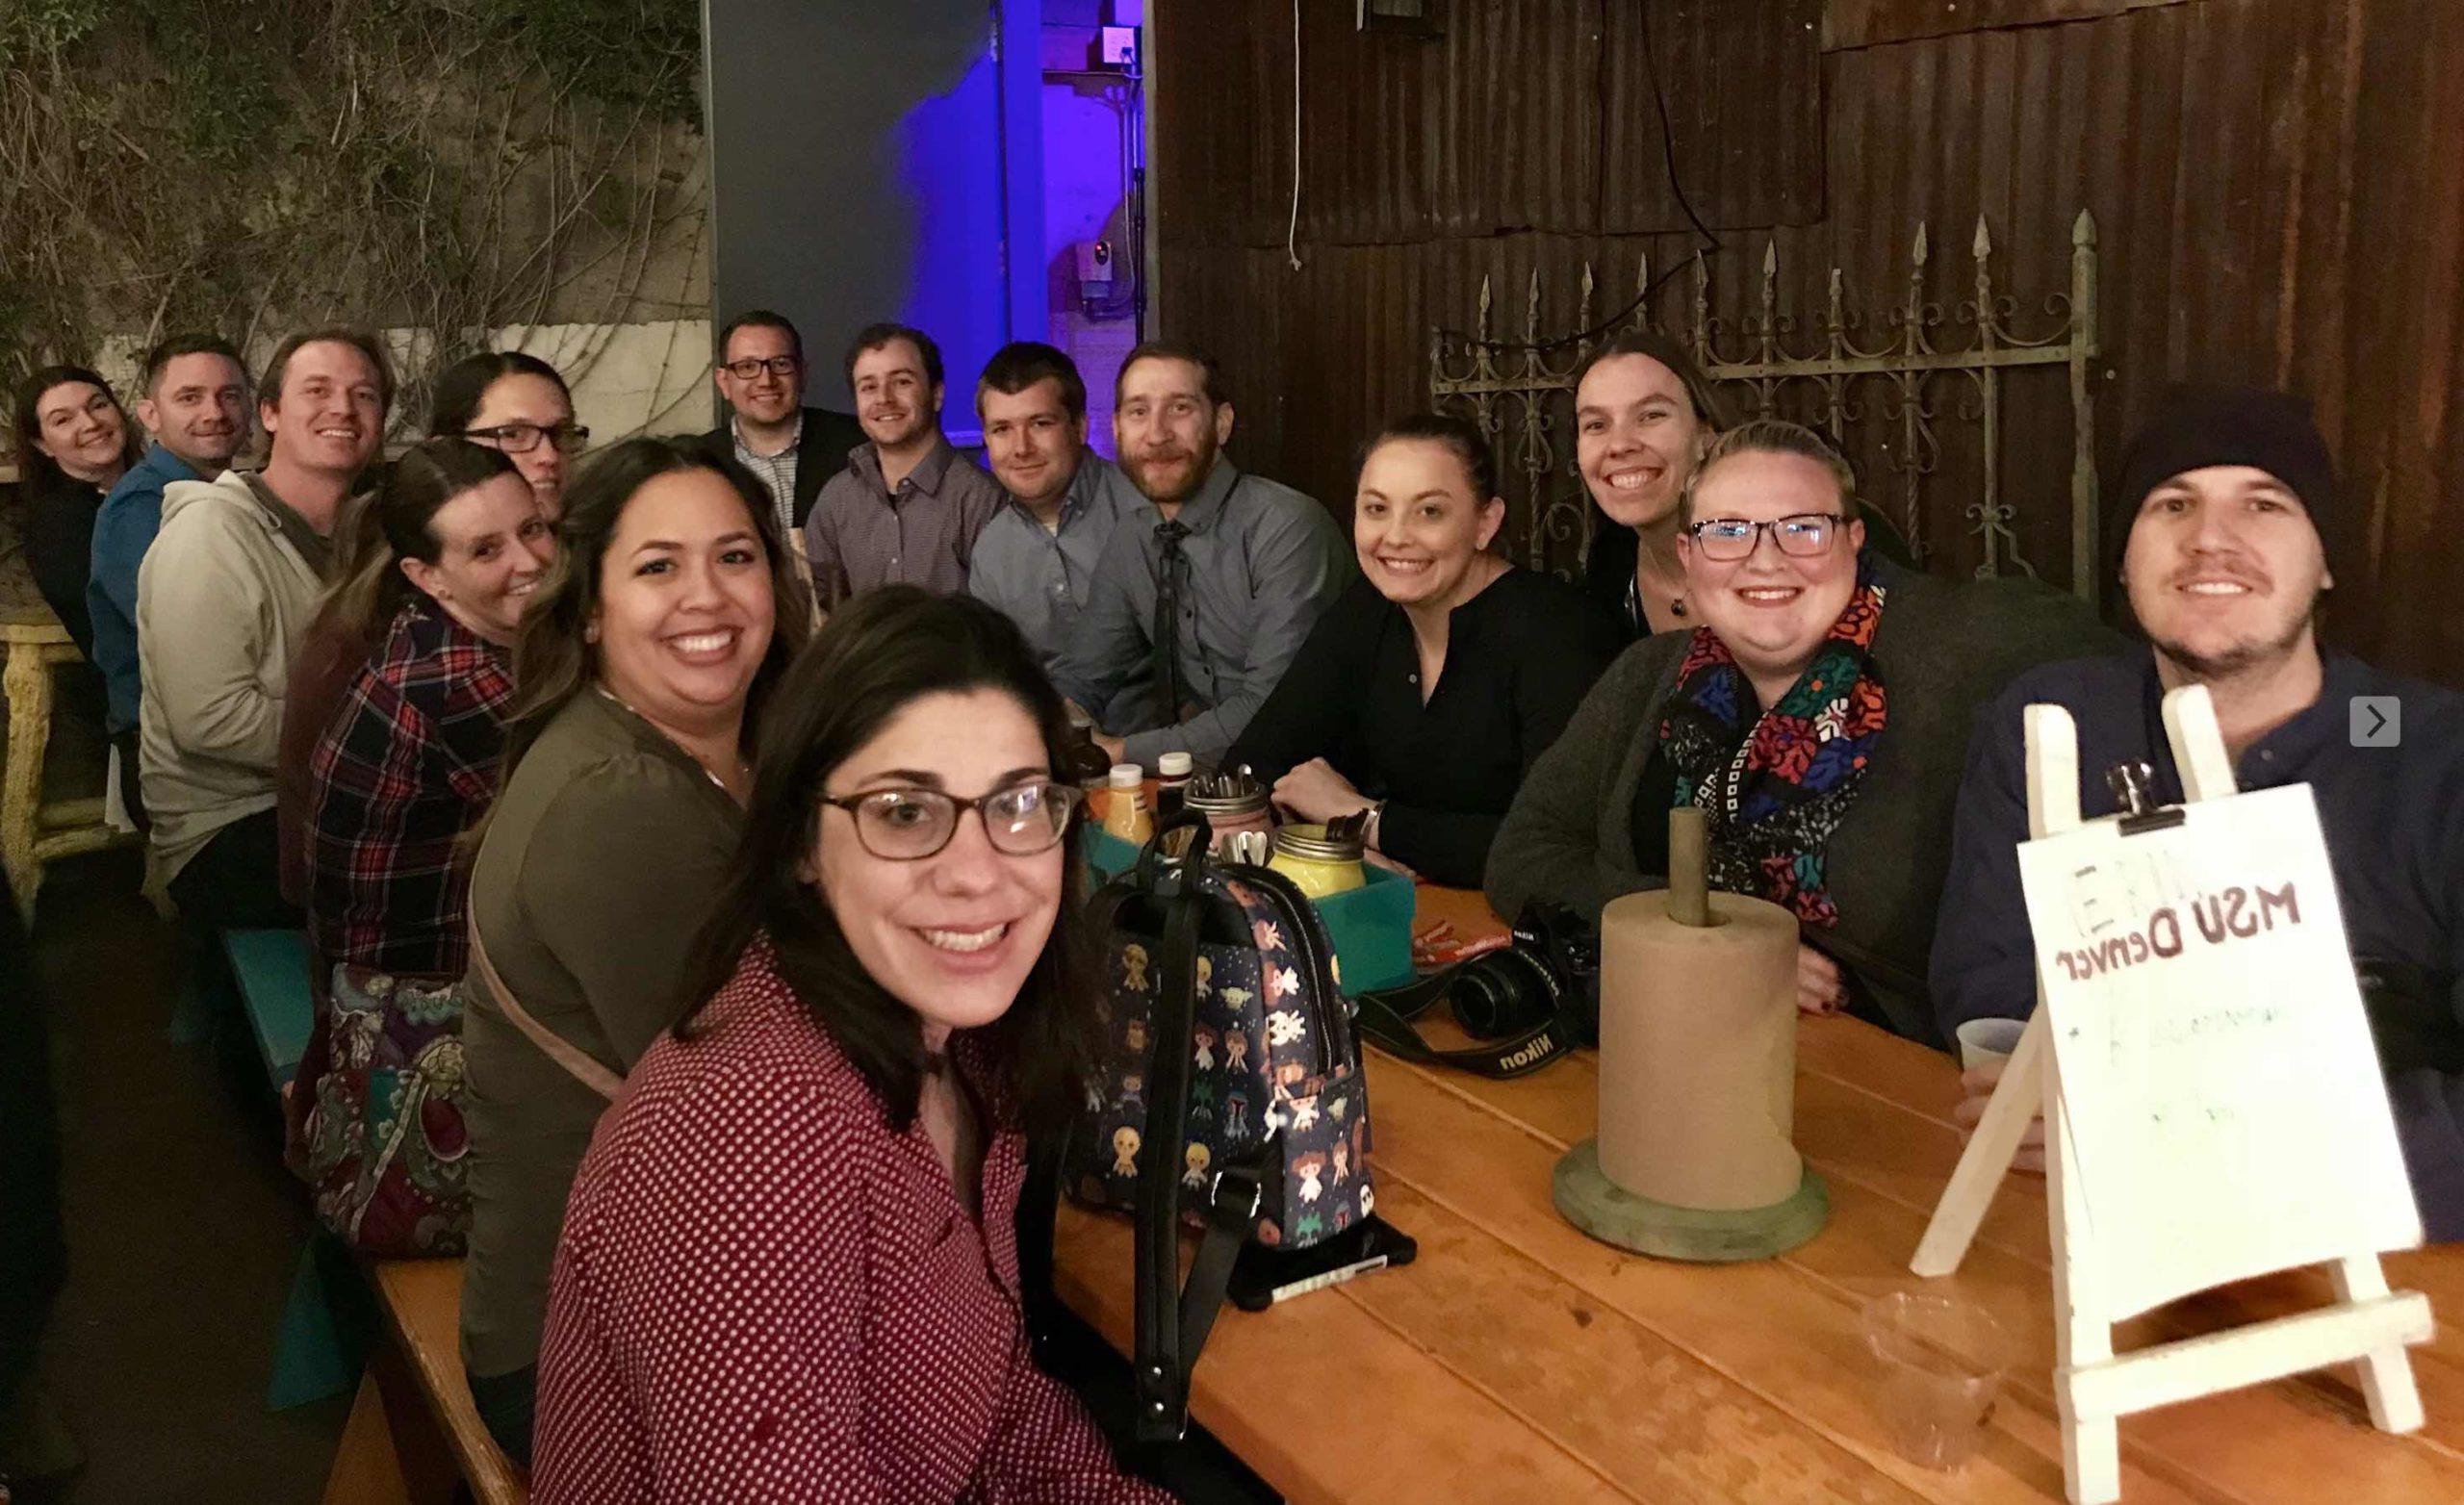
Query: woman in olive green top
(641, 675)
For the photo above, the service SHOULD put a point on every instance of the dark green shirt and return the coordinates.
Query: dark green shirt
(601, 857)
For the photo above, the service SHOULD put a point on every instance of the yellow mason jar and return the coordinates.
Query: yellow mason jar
(1318, 864)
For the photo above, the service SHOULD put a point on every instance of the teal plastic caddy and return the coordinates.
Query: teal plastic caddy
(1371, 925)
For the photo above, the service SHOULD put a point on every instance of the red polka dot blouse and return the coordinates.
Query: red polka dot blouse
(765, 1294)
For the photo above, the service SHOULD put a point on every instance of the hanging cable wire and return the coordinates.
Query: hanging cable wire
(1292, 233)
(1668, 157)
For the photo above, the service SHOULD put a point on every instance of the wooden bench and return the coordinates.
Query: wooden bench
(414, 1415)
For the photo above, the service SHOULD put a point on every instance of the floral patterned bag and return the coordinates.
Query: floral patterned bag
(382, 1141)
(1232, 1093)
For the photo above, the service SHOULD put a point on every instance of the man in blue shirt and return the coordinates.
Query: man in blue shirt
(1035, 559)
(2225, 569)
(1204, 595)
(195, 404)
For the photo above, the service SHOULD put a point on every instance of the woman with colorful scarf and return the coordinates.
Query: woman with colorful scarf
(1820, 713)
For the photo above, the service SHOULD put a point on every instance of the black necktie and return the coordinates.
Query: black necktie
(1168, 682)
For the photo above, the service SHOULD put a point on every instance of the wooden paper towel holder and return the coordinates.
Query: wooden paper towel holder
(2092, 1385)
(1609, 1212)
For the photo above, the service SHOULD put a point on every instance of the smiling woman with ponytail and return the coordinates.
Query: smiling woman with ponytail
(441, 564)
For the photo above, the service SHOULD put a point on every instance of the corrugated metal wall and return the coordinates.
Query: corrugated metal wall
(2278, 185)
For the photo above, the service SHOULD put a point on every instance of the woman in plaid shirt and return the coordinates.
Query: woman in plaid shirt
(446, 556)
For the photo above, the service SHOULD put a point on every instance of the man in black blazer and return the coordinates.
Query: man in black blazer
(790, 448)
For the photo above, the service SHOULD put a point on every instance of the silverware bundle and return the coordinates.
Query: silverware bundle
(1250, 846)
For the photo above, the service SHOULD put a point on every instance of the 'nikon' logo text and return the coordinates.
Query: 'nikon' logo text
(1529, 1054)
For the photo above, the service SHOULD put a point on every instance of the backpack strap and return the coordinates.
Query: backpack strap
(1172, 1325)
(1386, 1022)
(576, 1061)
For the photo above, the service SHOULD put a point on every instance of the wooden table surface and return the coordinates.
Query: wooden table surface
(1518, 1359)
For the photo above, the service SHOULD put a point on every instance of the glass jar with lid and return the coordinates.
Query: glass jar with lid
(1232, 805)
(1317, 863)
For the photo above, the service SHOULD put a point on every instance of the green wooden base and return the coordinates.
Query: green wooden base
(1613, 1215)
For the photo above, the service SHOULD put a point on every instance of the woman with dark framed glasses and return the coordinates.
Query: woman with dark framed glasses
(516, 403)
(789, 1254)
(1819, 711)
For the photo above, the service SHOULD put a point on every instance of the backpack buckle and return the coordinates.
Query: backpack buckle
(1215, 1195)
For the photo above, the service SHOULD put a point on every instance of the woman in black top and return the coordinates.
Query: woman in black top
(1436, 678)
(73, 443)
(1643, 414)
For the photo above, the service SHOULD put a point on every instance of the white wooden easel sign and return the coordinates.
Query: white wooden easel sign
(2214, 1108)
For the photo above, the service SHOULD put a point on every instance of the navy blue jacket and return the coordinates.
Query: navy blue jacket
(2393, 819)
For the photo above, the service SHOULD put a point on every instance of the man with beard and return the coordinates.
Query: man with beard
(1035, 559)
(2221, 494)
(196, 407)
(909, 505)
(1204, 595)
(789, 448)
(222, 602)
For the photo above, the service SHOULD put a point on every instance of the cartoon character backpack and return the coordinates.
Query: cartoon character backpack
(1231, 1094)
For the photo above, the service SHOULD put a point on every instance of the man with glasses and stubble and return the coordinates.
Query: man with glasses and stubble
(789, 448)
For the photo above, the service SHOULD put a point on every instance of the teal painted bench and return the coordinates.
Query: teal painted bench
(329, 1319)
(272, 968)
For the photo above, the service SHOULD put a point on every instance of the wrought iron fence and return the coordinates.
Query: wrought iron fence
(1509, 387)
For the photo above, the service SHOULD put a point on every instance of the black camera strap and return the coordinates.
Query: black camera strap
(1386, 1017)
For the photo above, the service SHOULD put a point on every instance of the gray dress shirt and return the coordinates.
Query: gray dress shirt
(862, 534)
(1042, 576)
(1262, 561)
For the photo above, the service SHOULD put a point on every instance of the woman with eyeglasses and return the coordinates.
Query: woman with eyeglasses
(1819, 711)
(517, 403)
(645, 666)
(788, 1267)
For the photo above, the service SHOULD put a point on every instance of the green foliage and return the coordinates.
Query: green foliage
(623, 52)
(38, 28)
(439, 163)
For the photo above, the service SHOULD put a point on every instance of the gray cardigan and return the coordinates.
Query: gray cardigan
(1945, 649)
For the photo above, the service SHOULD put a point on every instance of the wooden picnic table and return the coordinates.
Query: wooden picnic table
(1518, 1359)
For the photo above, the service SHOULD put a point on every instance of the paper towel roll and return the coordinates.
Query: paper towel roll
(1698, 1053)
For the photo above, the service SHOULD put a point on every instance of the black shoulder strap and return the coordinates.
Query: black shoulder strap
(1172, 1325)
(1386, 1021)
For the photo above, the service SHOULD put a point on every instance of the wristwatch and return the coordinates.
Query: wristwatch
(1373, 827)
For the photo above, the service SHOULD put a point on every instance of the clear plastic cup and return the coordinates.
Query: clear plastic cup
(1942, 1360)
(1988, 1040)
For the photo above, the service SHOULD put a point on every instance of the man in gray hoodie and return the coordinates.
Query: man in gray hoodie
(222, 602)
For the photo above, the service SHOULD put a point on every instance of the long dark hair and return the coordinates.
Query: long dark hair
(461, 387)
(876, 654)
(1608, 564)
(553, 662)
(395, 524)
(41, 472)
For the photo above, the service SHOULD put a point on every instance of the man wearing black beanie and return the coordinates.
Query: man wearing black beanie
(2217, 513)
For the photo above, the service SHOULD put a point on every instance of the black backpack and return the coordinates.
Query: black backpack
(1231, 1093)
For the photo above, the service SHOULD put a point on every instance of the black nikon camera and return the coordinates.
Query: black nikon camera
(1529, 1002)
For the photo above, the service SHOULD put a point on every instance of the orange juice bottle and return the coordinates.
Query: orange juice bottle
(1126, 812)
